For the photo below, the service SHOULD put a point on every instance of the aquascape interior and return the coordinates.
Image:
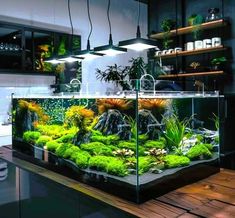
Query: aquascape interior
(135, 148)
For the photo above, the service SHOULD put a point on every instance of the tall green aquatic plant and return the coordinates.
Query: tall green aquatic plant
(174, 131)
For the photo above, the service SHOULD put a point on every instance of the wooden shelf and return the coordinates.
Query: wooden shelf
(191, 74)
(194, 52)
(189, 29)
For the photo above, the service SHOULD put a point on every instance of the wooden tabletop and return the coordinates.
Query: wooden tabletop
(211, 197)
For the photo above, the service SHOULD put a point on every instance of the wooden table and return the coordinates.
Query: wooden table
(211, 197)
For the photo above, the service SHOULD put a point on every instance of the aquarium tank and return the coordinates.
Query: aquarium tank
(133, 144)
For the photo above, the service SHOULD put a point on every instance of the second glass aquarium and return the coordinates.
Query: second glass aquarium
(134, 145)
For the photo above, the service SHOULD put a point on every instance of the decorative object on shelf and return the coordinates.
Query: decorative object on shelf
(167, 25)
(138, 43)
(196, 20)
(110, 49)
(189, 46)
(178, 49)
(218, 63)
(207, 43)
(213, 14)
(198, 44)
(216, 41)
(168, 69)
(195, 65)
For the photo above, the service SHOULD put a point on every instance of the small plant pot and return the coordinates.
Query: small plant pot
(217, 67)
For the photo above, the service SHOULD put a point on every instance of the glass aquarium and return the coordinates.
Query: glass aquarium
(134, 144)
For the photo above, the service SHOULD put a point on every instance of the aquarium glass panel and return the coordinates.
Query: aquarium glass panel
(134, 144)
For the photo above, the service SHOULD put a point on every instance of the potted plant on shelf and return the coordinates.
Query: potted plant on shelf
(218, 63)
(167, 25)
(195, 20)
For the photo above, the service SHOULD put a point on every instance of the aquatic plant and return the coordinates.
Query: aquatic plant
(33, 107)
(131, 145)
(105, 104)
(156, 152)
(145, 164)
(99, 162)
(56, 131)
(159, 144)
(98, 148)
(199, 151)
(42, 140)
(123, 153)
(117, 167)
(74, 155)
(79, 116)
(173, 161)
(110, 139)
(69, 151)
(52, 145)
(82, 159)
(68, 138)
(31, 136)
(174, 131)
(61, 149)
(153, 103)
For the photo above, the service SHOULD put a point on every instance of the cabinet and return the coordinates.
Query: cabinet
(23, 49)
(179, 12)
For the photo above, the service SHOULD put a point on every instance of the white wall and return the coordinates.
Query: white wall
(53, 14)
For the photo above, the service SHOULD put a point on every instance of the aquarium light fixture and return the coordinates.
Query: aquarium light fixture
(138, 43)
(88, 54)
(53, 60)
(110, 49)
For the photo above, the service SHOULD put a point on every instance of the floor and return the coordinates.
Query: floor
(210, 197)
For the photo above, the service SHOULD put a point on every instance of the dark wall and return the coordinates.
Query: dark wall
(180, 10)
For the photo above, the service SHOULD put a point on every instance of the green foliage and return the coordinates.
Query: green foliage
(82, 159)
(200, 151)
(98, 148)
(66, 138)
(175, 131)
(56, 131)
(131, 145)
(110, 139)
(31, 136)
(117, 167)
(79, 116)
(71, 150)
(100, 162)
(123, 76)
(52, 145)
(155, 144)
(61, 149)
(218, 61)
(167, 25)
(142, 138)
(173, 161)
(196, 21)
(42, 140)
(145, 164)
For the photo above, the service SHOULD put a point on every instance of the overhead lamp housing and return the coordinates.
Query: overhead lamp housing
(110, 49)
(87, 54)
(138, 43)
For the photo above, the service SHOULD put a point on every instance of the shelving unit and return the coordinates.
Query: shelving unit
(209, 73)
(189, 29)
(194, 52)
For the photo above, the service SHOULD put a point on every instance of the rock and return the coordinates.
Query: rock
(148, 124)
(112, 122)
(24, 121)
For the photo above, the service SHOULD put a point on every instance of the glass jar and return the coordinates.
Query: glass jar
(213, 14)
